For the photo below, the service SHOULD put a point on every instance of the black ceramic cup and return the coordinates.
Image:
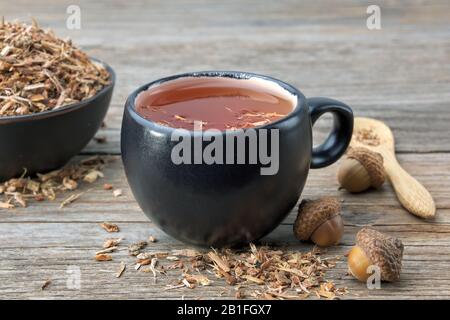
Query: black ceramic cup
(227, 204)
(47, 140)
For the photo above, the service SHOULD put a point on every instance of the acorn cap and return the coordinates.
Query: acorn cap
(384, 251)
(371, 161)
(312, 213)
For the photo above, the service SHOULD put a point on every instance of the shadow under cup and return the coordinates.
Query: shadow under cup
(227, 203)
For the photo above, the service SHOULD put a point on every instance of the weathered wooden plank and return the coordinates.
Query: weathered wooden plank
(378, 207)
(101, 284)
(43, 255)
(82, 234)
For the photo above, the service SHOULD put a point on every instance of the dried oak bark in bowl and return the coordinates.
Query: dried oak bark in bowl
(53, 99)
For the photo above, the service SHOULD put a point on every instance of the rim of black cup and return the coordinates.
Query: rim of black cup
(131, 107)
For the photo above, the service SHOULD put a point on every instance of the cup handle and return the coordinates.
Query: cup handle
(339, 138)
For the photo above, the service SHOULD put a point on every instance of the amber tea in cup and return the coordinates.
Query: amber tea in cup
(216, 103)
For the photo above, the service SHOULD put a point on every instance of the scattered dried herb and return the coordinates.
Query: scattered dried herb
(46, 284)
(240, 294)
(6, 205)
(117, 193)
(107, 186)
(110, 227)
(122, 268)
(69, 184)
(198, 279)
(103, 257)
(220, 263)
(187, 284)
(152, 269)
(19, 191)
(135, 248)
(264, 272)
(69, 200)
(93, 175)
(40, 72)
(112, 242)
(107, 250)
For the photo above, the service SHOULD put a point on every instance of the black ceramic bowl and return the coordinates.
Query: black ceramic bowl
(226, 205)
(47, 140)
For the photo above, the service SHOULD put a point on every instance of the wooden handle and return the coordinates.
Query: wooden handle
(411, 194)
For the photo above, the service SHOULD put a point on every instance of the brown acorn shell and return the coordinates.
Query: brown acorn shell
(371, 161)
(384, 251)
(312, 213)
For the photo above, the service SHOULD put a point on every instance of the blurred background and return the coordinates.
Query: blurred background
(325, 48)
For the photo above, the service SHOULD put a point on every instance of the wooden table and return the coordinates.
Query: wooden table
(399, 74)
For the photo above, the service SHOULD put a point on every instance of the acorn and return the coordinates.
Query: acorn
(375, 248)
(319, 221)
(361, 169)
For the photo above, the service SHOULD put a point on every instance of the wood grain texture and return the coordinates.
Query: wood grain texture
(41, 241)
(400, 74)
